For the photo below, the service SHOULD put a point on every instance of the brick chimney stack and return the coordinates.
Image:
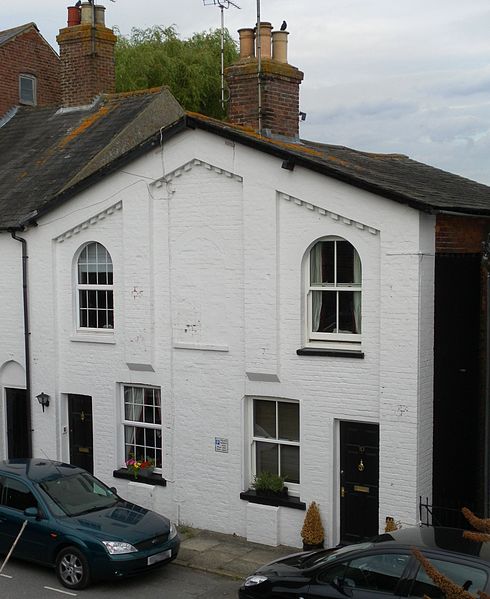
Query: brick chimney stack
(280, 83)
(87, 55)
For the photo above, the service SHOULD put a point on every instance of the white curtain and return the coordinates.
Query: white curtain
(316, 279)
(357, 294)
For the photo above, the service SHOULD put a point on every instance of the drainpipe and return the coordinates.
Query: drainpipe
(27, 350)
(259, 69)
(486, 457)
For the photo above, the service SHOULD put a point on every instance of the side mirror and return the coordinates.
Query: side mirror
(114, 490)
(32, 512)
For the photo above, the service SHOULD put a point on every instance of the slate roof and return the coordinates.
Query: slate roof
(393, 176)
(48, 155)
(8, 34)
(45, 151)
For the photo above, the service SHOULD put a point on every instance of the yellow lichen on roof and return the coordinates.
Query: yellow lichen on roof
(250, 132)
(84, 125)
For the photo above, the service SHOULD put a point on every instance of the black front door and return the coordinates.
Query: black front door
(17, 423)
(359, 481)
(81, 442)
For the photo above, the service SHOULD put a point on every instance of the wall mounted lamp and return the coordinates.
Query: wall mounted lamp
(43, 399)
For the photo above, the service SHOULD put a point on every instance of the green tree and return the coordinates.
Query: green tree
(191, 68)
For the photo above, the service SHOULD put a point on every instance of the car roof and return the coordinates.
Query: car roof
(435, 538)
(38, 469)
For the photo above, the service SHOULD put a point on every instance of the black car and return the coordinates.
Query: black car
(78, 525)
(383, 567)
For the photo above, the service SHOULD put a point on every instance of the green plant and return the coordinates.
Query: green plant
(267, 481)
(312, 532)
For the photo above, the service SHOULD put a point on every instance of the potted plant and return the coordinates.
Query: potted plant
(312, 533)
(140, 467)
(268, 484)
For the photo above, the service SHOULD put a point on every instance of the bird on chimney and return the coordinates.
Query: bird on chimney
(78, 4)
(283, 26)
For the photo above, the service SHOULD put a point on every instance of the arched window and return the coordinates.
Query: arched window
(95, 290)
(334, 291)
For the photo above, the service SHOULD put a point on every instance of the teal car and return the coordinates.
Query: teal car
(78, 525)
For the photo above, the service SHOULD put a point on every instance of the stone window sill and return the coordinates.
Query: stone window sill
(338, 353)
(277, 501)
(150, 479)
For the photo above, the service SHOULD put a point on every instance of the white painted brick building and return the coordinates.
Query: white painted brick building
(272, 302)
(208, 241)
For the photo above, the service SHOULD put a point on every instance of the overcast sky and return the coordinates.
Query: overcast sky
(410, 77)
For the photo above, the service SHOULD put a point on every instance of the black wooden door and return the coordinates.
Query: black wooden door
(17, 426)
(81, 440)
(359, 481)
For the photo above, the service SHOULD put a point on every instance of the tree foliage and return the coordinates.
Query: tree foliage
(191, 68)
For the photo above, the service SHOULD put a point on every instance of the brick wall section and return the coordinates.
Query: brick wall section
(460, 234)
(28, 53)
(86, 73)
(280, 96)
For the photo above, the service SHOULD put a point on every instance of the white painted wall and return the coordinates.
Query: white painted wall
(208, 240)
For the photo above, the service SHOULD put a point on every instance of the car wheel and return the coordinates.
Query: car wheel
(72, 568)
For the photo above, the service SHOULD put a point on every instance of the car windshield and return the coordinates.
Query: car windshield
(79, 494)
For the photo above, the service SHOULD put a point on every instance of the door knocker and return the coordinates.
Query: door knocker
(82, 416)
(360, 466)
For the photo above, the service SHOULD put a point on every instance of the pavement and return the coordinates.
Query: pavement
(227, 555)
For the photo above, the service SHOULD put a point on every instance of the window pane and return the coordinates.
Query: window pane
(377, 572)
(92, 319)
(324, 306)
(266, 457)
(322, 263)
(345, 262)
(461, 574)
(265, 419)
(288, 421)
(138, 395)
(290, 463)
(92, 298)
(27, 85)
(349, 311)
(17, 496)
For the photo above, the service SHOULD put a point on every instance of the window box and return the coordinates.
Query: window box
(277, 499)
(147, 479)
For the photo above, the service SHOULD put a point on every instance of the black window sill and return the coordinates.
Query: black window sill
(338, 353)
(277, 501)
(150, 479)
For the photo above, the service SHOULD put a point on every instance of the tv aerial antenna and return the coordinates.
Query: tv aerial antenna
(222, 4)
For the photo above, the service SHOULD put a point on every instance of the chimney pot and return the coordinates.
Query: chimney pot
(247, 49)
(87, 13)
(91, 13)
(74, 16)
(280, 46)
(265, 40)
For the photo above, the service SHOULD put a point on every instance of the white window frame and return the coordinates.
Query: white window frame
(332, 340)
(146, 425)
(293, 488)
(80, 287)
(33, 80)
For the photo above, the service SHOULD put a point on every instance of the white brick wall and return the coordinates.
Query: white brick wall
(208, 272)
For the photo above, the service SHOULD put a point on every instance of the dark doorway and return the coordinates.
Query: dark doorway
(458, 424)
(17, 423)
(81, 440)
(359, 481)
